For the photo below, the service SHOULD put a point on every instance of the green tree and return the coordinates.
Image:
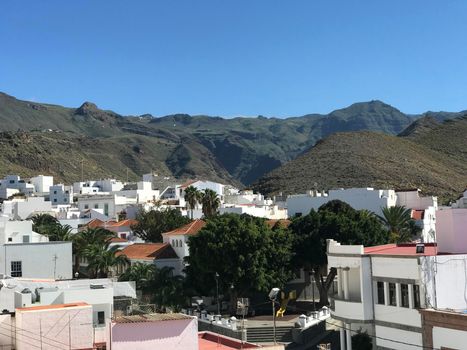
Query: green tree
(399, 223)
(151, 224)
(192, 198)
(43, 223)
(211, 203)
(141, 273)
(60, 233)
(247, 254)
(167, 289)
(101, 259)
(334, 220)
(85, 238)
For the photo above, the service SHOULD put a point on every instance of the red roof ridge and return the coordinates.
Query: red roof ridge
(186, 229)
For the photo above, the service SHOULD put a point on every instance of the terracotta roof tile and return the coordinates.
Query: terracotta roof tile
(189, 229)
(148, 251)
(404, 249)
(418, 214)
(54, 306)
(283, 222)
(188, 183)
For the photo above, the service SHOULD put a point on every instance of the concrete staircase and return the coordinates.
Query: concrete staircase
(266, 334)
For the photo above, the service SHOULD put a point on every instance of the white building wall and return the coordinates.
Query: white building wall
(449, 338)
(358, 198)
(413, 200)
(39, 260)
(27, 208)
(6, 338)
(61, 194)
(42, 183)
(402, 337)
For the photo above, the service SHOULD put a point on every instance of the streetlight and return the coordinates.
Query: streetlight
(217, 293)
(273, 296)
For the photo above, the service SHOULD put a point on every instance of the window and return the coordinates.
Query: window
(416, 295)
(55, 200)
(392, 294)
(106, 208)
(96, 206)
(380, 289)
(25, 239)
(16, 269)
(404, 295)
(64, 199)
(100, 317)
(10, 239)
(67, 191)
(55, 192)
(123, 235)
(12, 181)
(180, 243)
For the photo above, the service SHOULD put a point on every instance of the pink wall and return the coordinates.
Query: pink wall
(451, 231)
(173, 335)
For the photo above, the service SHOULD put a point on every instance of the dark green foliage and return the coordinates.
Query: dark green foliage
(210, 202)
(399, 223)
(159, 285)
(362, 341)
(334, 220)
(244, 251)
(152, 224)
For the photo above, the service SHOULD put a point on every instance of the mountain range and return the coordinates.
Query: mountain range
(61, 141)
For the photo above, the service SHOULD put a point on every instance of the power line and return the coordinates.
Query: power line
(382, 338)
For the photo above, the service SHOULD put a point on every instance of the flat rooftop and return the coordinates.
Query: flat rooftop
(402, 249)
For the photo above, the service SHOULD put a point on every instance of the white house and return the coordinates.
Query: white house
(12, 184)
(381, 289)
(61, 194)
(34, 295)
(110, 205)
(261, 211)
(451, 228)
(42, 183)
(24, 208)
(358, 198)
(461, 202)
(178, 238)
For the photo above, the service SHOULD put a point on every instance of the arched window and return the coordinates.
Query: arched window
(180, 243)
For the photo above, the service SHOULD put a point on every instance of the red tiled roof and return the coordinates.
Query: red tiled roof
(283, 222)
(121, 223)
(188, 183)
(94, 223)
(117, 240)
(418, 214)
(148, 251)
(404, 249)
(189, 229)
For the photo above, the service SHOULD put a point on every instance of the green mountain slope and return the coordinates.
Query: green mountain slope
(237, 150)
(433, 159)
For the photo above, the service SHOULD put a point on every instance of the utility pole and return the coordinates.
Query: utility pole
(40, 331)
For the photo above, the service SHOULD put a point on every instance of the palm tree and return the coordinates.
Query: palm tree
(43, 223)
(139, 272)
(167, 288)
(60, 233)
(101, 259)
(192, 197)
(85, 238)
(398, 221)
(210, 202)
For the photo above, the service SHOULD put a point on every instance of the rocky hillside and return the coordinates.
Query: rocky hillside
(237, 150)
(428, 155)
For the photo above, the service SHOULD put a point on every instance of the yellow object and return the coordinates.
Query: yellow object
(292, 296)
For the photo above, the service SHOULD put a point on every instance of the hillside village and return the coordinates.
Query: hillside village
(106, 264)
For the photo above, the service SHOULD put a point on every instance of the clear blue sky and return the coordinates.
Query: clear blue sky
(276, 58)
